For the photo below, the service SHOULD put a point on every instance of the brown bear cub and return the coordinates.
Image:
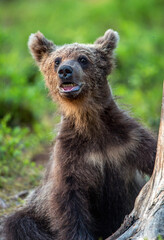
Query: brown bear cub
(96, 167)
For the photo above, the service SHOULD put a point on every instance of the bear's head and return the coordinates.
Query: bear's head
(75, 73)
(74, 70)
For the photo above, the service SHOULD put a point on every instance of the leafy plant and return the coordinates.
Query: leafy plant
(14, 162)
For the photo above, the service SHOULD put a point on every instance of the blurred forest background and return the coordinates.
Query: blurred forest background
(28, 116)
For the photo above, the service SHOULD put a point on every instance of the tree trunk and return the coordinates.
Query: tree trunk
(146, 221)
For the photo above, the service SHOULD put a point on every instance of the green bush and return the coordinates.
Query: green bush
(160, 238)
(14, 146)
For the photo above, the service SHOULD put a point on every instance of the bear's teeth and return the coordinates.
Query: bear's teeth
(69, 85)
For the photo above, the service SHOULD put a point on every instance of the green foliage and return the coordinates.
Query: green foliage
(160, 238)
(12, 143)
(14, 162)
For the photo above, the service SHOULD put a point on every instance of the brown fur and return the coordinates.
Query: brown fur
(92, 179)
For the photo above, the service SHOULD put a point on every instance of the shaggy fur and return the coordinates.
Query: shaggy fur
(100, 152)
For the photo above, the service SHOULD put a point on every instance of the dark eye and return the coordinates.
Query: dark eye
(83, 60)
(57, 61)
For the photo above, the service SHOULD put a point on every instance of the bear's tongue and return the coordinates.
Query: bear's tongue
(69, 87)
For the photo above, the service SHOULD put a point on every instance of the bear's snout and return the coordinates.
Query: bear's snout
(69, 75)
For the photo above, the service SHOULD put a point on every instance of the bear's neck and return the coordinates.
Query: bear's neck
(88, 117)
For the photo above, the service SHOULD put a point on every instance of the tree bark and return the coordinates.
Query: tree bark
(146, 221)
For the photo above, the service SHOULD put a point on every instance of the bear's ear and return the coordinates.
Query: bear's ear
(109, 41)
(39, 46)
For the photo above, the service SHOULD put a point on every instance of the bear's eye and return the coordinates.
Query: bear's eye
(57, 61)
(83, 60)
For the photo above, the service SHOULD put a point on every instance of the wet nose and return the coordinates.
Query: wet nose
(65, 72)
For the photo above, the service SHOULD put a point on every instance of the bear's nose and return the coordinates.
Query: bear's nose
(65, 72)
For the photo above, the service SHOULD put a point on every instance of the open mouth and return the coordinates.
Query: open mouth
(69, 87)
